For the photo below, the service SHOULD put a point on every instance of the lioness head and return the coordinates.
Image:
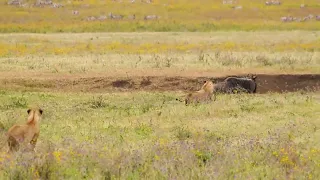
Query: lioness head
(208, 86)
(34, 114)
(36, 110)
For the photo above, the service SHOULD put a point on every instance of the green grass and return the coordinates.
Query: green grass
(150, 135)
(181, 15)
(152, 43)
(146, 135)
(89, 53)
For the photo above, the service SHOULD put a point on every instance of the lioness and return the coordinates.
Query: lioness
(203, 95)
(27, 133)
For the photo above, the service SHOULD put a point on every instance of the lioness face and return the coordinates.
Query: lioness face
(208, 86)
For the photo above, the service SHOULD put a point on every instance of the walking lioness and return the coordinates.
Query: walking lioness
(26, 134)
(203, 95)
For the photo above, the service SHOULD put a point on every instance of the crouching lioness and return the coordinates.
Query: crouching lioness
(203, 95)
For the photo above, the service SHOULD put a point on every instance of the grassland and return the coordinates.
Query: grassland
(178, 15)
(174, 53)
(147, 135)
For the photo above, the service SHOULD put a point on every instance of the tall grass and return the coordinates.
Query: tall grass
(173, 63)
(90, 53)
(239, 136)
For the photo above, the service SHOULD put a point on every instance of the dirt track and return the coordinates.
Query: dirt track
(266, 83)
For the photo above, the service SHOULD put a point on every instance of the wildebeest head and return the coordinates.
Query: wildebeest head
(251, 76)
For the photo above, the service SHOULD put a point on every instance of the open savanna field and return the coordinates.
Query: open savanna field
(173, 15)
(110, 108)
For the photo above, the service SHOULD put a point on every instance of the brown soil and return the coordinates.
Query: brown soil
(266, 83)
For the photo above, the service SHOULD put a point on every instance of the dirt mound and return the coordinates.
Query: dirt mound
(266, 83)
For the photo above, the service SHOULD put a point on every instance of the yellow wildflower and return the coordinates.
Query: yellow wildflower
(57, 155)
(275, 153)
(156, 157)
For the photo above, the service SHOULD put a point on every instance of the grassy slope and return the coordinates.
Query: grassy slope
(179, 15)
(149, 135)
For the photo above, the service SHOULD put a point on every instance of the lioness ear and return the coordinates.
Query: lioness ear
(28, 111)
(41, 111)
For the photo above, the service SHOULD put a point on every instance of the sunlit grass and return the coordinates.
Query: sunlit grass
(183, 15)
(140, 43)
(151, 135)
(29, 48)
(296, 51)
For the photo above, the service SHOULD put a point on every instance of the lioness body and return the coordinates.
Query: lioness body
(203, 95)
(26, 134)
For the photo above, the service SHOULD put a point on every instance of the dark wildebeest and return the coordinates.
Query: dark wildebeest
(236, 84)
(244, 84)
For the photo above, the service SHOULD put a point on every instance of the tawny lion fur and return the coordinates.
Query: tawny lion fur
(25, 134)
(203, 95)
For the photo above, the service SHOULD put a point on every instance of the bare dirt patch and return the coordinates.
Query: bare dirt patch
(266, 83)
